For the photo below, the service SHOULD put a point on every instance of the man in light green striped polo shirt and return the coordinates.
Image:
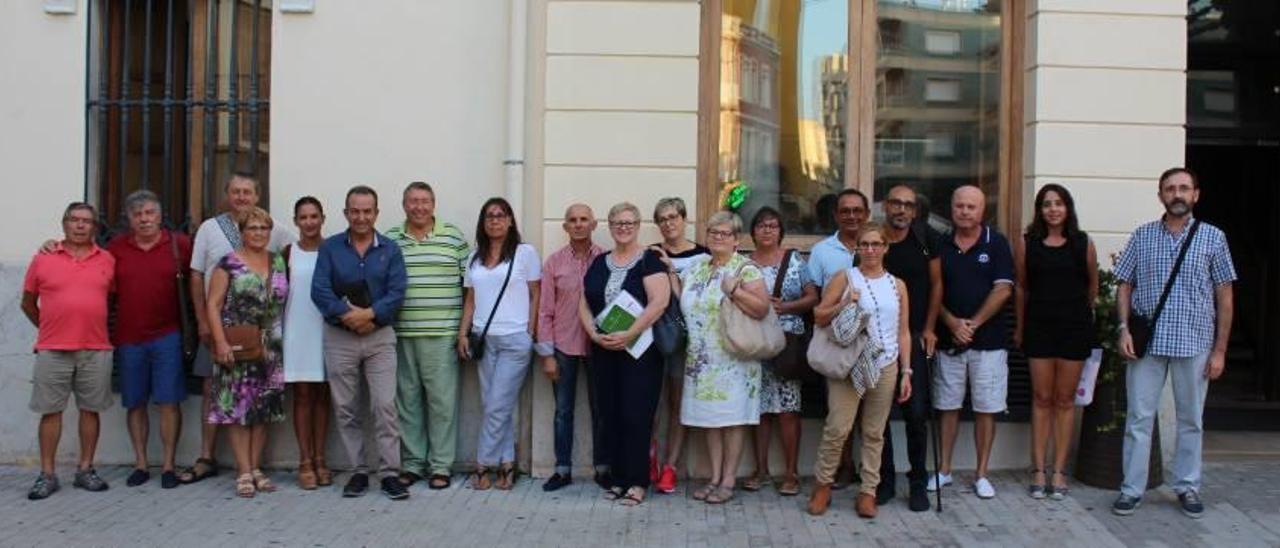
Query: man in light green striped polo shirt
(435, 258)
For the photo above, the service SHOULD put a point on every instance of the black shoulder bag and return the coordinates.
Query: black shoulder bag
(186, 319)
(475, 342)
(1142, 328)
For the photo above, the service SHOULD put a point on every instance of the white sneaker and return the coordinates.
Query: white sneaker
(984, 489)
(938, 480)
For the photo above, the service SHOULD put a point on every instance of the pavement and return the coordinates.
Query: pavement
(1242, 499)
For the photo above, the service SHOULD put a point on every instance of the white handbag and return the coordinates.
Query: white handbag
(747, 338)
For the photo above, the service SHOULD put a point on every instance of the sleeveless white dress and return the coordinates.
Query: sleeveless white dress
(303, 323)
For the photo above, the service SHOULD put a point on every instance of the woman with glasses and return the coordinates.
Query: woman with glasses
(721, 392)
(249, 288)
(884, 298)
(627, 386)
(501, 304)
(677, 252)
(1057, 274)
(780, 398)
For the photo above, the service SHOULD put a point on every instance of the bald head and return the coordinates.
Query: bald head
(900, 206)
(579, 223)
(967, 205)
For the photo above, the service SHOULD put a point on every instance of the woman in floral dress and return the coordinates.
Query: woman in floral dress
(249, 287)
(721, 392)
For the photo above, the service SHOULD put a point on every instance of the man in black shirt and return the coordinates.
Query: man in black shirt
(912, 257)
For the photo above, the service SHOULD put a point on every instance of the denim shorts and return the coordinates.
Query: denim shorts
(152, 372)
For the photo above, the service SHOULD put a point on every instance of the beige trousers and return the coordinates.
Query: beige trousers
(842, 410)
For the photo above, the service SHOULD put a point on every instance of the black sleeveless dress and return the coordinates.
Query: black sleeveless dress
(1059, 319)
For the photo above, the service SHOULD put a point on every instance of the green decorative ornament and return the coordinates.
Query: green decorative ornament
(736, 195)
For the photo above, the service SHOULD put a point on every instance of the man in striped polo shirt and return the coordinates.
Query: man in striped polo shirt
(435, 257)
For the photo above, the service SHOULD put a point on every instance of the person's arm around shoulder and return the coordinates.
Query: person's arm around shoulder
(904, 341)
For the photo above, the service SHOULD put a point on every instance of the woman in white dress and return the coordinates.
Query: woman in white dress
(304, 348)
(721, 392)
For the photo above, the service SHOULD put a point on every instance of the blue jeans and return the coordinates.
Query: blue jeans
(566, 391)
(1145, 378)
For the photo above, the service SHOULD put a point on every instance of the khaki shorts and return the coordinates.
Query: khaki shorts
(58, 373)
(987, 373)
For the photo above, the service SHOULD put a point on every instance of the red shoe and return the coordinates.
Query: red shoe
(667, 480)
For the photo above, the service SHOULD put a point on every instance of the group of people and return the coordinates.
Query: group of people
(400, 312)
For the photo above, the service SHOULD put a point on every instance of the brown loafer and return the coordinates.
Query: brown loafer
(820, 499)
(865, 505)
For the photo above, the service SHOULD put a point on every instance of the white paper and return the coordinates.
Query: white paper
(1088, 377)
(630, 305)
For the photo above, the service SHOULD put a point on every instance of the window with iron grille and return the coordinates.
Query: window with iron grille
(177, 99)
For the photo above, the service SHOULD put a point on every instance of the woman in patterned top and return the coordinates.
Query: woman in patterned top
(780, 398)
(249, 287)
(721, 392)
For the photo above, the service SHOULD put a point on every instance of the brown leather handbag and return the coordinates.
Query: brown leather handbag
(246, 342)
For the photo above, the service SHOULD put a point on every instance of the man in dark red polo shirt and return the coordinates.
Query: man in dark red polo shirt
(65, 296)
(147, 333)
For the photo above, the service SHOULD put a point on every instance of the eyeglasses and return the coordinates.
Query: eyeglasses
(669, 218)
(851, 211)
(871, 245)
(256, 228)
(624, 225)
(895, 203)
(771, 227)
(720, 234)
(495, 216)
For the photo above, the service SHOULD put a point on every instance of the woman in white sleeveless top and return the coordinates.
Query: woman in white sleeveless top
(884, 298)
(304, 348)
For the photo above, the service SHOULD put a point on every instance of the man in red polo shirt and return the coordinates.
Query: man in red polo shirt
(65, 296)
(147, 332)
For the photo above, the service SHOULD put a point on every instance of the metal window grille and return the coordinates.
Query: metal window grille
(177, 99)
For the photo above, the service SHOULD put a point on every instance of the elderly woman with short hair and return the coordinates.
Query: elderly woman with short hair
(627, 387)
(721, 392)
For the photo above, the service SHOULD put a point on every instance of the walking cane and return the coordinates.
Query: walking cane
(934, 436)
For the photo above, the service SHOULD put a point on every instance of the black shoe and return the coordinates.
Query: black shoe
(393, 489)
(884, 494)
(46, 484)
(556, 482)
(138, 477)
(1191, 505)
(89, 481)
(919, 499)
(604, 480)
(357, 486)
(1125, 505)
(169, 480)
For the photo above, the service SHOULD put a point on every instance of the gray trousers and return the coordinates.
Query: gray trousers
(1145, 379)
(347, 358)
(502, 371)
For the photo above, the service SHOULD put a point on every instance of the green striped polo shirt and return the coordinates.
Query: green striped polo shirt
(435, 266)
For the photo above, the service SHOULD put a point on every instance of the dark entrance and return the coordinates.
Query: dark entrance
(1233, 143)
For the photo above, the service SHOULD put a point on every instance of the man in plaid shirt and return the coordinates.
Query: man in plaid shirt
(1188, 342)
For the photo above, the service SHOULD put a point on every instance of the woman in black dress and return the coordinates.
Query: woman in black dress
(627, 387)
(1057, 271)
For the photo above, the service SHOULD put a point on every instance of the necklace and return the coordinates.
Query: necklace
(875, 303)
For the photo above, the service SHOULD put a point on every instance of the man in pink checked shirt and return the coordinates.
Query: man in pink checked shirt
(562, 345)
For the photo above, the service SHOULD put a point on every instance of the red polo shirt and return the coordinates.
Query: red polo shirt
(72, 295)
(146, 287)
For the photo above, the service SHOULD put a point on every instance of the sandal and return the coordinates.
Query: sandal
(306, 476)
(721, 495)
(244, 486)
(703, 492)
(324, 476)
(755, 482)
(506, 477)
(439, 481)
(633, 497)
(1036, 490)
(407, 478)
(202, 469)
(790, 486)
(1059, 492)
(480, 479)
(613, 493)
(262, 482)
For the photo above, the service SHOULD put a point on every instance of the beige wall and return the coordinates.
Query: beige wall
(1106, 102)
(42, 65)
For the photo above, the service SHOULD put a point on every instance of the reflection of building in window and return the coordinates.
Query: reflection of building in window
(942, 42)
(942, 90)
(890, 33)
(749, 128)
(835, 95)
(940, 145)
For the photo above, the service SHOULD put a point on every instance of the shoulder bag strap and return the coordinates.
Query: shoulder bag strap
(782, 273)
(510, 266)
(184, 304)
(1173, 274)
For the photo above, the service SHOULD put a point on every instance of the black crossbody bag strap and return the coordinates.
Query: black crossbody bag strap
(1173, 275)
(782, 273)
(485, 332)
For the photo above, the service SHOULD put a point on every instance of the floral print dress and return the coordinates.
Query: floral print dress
(779, 395)
(250, 393)
(719, 389)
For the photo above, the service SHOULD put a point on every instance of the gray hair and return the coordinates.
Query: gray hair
(674, 202)
(621, 207)
(725, 218)
(139, 198)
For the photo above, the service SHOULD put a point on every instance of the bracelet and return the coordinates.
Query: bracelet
(1124, 326)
